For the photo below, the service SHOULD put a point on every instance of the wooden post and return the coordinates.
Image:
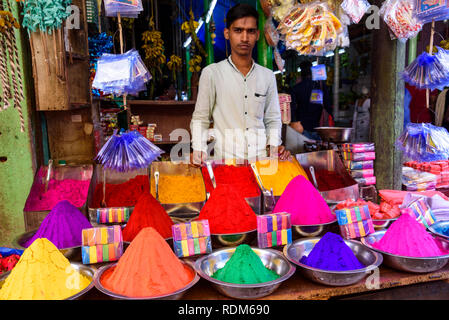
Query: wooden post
(387, 107)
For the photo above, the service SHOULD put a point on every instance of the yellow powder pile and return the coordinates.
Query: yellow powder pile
(278, 176)
(180, 188)
(42, 273)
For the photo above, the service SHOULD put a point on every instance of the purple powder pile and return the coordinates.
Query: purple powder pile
(333, 254)
(62, 226)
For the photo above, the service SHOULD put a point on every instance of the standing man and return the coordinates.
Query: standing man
(239, 98)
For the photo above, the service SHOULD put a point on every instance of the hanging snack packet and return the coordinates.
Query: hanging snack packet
(400, 18)
(355, 9)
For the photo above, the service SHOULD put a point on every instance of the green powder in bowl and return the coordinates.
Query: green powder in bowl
(245, 267)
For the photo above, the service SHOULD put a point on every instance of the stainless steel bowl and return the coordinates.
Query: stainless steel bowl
(334, 134)
(299, 248)
(272, 259)
(233, 239)
(81, 268)
(171, 296)
(72, 253)
(301, 231)
(382, 223)
(408, 264)
(438, 229)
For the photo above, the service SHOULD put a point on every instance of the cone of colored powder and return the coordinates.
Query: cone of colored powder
(333, 254)
(407, 237)
(43, 273)
(148, 212)
(228, 212)
(148, 268)
(245, 267)
(62, 226)
(304, 203)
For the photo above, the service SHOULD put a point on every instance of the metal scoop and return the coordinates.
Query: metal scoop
(47, 178)
(211, 175)
(312, 172)
(268, 194)
(156, 182)
(103, 202)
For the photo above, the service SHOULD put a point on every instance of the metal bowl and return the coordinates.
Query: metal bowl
(81, 268)
(72, 253)
(170, 296)
(334, 134)
(383, 223)
(438, 229)
(233, 239)
(297, 249)
(272, 259)
(408, 264)
(301, 231)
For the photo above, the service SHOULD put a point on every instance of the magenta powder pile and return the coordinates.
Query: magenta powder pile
(62, 226)
(72, 190)
(407, 237)
(304, 203)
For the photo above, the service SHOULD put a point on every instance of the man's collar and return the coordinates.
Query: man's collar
(233, 65)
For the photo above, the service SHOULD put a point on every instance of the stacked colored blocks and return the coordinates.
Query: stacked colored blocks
(421, 211)
(359, 161)
(274, 230)
(439, 168)
(191, 238)
(112, 215)
(354, 222)
(102, 244)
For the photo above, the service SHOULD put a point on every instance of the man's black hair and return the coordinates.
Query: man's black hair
(306, 68)
(239, 11)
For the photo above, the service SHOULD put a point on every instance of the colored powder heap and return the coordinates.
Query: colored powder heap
(245, 267)
(328, 180)
(43, 273)
(332, 253)
(180, 188)
(122, 194)
(148, 212)
(240, 177)
(147, 268)
(74, 191)
(284, 172)
(228, 212)
(304, 203)
(407, 237)
(62, 226)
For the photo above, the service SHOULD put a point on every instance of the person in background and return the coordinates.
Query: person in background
(238, 95)
(306, 108)
(418, 110)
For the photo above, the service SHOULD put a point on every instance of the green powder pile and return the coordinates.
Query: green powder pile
(245, 267)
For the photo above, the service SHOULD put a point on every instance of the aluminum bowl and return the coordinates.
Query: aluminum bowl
(380, 224)
(81, 268)
(171, 296)
(408, 264)
(438, 229)
(233, 239)
(334, 134)
(301, 231)
(272, 259)
(297, 249)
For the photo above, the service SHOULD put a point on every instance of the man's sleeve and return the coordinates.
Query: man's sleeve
(203, 111)
(272, 116)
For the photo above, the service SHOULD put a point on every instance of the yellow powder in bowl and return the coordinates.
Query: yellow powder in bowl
(42, 273)
(277, 174)
(180, 188)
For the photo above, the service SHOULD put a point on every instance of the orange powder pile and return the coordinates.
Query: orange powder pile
(148, 268)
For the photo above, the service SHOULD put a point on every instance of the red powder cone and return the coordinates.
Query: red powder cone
(148, 212)
(228, 212)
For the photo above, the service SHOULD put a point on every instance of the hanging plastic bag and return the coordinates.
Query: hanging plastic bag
(271, 34)
(426, 10)
(126, 8)
(355, 9)
(400, 18)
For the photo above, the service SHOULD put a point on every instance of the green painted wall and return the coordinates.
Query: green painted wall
(16, 173)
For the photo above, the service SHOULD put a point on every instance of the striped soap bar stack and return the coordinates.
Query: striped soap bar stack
(112, 215)
(102, 244)
(355, 222)
(191, 238)
(359, 161)
(273, 230)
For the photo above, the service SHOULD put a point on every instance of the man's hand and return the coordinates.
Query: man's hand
(280, 152)
(197, 158)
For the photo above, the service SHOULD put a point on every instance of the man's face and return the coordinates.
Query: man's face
(242, 35)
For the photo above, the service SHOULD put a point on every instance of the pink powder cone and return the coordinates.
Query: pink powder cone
(304, 203)
(407, 237)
